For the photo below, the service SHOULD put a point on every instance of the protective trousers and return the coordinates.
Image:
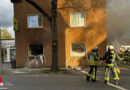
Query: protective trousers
(110, 69)
(129, 57)
(126, 58)
(92, 71)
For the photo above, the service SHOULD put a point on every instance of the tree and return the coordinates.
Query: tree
(52, 20)
(5, 34)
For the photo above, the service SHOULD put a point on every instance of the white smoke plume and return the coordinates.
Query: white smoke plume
(118, 21)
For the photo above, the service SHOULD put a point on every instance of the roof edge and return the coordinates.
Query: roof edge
(15, 1)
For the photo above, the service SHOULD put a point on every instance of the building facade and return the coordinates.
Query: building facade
(81, 25)
(7, 50)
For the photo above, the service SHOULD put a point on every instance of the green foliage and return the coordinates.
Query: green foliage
(5, 34)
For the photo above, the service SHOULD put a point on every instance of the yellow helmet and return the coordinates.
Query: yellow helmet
(95, 48)
(110, 47)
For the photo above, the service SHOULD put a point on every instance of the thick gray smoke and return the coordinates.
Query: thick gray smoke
(118, 21)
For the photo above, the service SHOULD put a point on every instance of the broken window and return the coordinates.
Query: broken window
(77, 19)
(34, 21)
(36, 49)
(78, 49)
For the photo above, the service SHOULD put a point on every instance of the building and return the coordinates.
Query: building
(125, 47)
(81, 26)
(7, 48)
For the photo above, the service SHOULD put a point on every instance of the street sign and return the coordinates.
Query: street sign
(15, 24)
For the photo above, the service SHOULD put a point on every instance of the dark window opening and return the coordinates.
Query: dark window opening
(36, 49)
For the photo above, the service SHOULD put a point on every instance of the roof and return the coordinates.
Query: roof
(15, 1)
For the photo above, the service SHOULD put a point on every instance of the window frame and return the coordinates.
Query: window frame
(29, 53)
(78, 55)
(35, 26)
(78, 13)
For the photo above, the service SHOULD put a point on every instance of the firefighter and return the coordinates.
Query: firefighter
(93, 59)
(126, 56)
(110, 57)
(129, 56)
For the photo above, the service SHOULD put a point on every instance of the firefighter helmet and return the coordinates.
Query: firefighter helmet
(95, 48)
(110, 48)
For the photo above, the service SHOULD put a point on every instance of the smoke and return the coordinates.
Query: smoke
(118, 21)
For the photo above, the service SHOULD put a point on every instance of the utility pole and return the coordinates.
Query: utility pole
(0, 54)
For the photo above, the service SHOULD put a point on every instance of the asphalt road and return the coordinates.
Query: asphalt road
(63, 82)
(52, 82)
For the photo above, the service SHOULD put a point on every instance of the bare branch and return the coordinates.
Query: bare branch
(31, 2)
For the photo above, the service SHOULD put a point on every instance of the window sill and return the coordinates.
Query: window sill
(34, 27)
(79, 56)
(78, 27)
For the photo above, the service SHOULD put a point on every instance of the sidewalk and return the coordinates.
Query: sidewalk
(23, 71)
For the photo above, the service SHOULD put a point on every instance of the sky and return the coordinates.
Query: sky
(118, 19)
(6, 15)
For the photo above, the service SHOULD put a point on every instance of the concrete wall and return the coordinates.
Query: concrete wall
(93, 33)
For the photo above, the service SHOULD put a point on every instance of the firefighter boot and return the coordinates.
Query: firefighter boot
(116, 82)
(87, 78)
(93, 80)
(106, 82)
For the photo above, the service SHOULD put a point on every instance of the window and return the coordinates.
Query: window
(36, 49)
(35, 21)
(77, 19)
(78, 49)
